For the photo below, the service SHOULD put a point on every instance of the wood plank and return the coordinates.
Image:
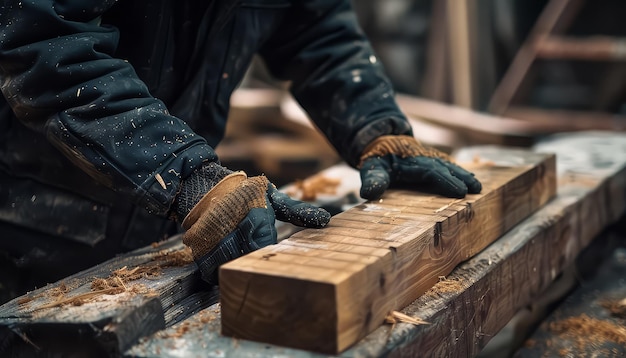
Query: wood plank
(475, 127)
(592, 48)
(324, 306)
(105, 319)
(511, 273)
(569, 120)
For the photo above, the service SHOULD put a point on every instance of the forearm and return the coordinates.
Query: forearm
(335, 75)
(60, 76)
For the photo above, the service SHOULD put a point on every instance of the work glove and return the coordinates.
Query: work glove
(394, 160)
(226, 215)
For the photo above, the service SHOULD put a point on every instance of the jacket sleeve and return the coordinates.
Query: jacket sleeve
(59, 75)
(335, 75)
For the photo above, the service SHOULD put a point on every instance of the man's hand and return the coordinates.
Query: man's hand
(226, 215)
(402, 160)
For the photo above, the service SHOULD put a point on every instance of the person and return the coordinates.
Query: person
(111, 111)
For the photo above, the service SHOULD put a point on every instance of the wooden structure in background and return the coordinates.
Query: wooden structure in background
(548, 41)
(471, 127)
(325, 289)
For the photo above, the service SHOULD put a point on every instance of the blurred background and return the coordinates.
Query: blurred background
(466, 72)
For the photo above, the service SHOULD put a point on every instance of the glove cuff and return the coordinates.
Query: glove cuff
(196, 185)
(401, 145)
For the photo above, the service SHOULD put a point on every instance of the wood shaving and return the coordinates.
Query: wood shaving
(394, 317)
(309, 189)
(159, 178)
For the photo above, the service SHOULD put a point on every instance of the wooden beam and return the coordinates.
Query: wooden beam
(475, 127)
(593, 48)
(555, 17)
(460, 17)
(569, 120)
(489, 289)
(84, 315)
(324, 289)
(513, 272)
(436, 82)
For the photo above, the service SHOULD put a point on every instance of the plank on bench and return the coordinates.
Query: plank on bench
(486, 291)
(325, 289)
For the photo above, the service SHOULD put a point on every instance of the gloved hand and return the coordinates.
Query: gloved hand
(226, 215)
(402, 160)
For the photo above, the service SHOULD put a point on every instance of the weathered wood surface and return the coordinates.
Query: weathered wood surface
(73, 316)
(494, 284)
(324, 289)
(591, 322)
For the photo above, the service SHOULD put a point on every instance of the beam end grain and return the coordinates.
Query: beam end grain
(327, 299)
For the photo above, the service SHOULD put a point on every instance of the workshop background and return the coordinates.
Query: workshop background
(542, 66)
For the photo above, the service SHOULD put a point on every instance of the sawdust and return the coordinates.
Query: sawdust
(119, 280)
(444, 286)
(24, 300)
(308, 189)
(584, 331)
(181, 257)
(59, 290)
(28, 298)
(198, 321)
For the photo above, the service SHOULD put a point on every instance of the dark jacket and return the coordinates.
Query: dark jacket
(131, 90)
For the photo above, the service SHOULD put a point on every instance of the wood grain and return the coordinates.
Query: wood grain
(327, 300)
(70, 317)
(492, 286)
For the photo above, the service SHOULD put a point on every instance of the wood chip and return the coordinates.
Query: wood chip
(159, 178)
(398, 317)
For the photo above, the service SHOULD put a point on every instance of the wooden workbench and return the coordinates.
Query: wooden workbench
(487, 290)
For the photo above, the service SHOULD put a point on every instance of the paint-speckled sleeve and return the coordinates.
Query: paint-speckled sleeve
(58, 74)
(335, 75)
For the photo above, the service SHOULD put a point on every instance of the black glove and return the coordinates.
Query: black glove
(226, 215)
(401, 160)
